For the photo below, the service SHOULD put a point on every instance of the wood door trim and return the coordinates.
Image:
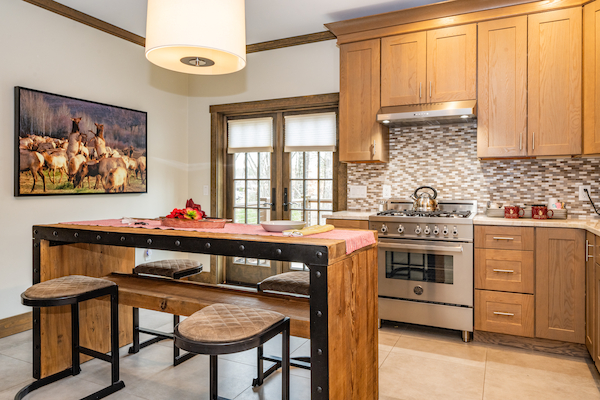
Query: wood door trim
(106, 27)
(590, 79)
(15, 324)
(283, 104)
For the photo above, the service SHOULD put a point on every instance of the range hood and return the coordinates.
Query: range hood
(429, 114)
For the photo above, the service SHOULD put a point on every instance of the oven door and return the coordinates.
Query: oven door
(440, 272)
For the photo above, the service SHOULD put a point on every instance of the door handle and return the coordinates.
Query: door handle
(420, 89)
(503, 313)
(429, 90)
(508, 271)
(503, 238)
(533, 141)
(521, 141)
(285, 199)
(587, 251)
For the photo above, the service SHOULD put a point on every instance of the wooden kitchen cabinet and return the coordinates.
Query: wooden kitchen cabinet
(508, 313)
(560, 284)
(502, 88)
(591, 78)
(433, 66)
(554, 82)
(596, 340)
(504, 270)
(361, 137)
(590, 293)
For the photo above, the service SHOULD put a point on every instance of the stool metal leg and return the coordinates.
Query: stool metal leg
(114, 332)
(135, 347)
(285, 362)
(75, 358)
(214, 378)
(260, 373)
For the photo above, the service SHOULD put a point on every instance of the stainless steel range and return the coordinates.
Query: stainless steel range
(426, 264)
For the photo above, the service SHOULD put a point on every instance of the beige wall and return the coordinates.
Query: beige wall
(44, 51)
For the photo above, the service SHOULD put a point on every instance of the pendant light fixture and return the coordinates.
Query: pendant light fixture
(202, 37)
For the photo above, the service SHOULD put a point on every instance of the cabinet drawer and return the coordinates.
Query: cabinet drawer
(348, 223)
(504, 270)
(504, 237)
(509, 313)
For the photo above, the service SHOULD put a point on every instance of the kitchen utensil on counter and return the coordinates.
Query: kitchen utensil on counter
(553, 203)
(541, 212)
(424, 201)
(280, 226)
(513, 212)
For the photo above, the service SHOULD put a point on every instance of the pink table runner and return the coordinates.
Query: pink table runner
(355, 239)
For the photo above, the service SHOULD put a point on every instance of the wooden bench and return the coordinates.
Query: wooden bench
(186, 297)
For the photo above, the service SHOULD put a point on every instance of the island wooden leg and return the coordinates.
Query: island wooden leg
(344, 342)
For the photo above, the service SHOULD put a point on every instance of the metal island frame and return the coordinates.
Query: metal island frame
(340, 317)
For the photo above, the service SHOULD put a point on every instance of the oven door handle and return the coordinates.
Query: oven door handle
(458, 249)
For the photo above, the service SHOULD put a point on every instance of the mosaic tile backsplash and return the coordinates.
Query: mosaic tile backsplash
(445, 157)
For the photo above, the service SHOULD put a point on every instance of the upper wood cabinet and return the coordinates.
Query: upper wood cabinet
(591, 78)
(554, 86)
(560, 284)
(433, 66)
(361, 137)
(403, 69)
(502, 89)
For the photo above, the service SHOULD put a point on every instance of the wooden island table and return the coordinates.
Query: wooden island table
(340, 317)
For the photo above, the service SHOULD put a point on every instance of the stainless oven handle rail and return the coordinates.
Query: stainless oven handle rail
(388, 245)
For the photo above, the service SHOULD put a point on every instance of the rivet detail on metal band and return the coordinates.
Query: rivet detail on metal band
(320, 352)
(318, 274)
(319, 389)
(35, 232)
(149, 241)
(319, 314)
(36, 245)
(278, 252)
(319, 254)
(242, 248)
(98, 237)
(177, 243)
(55, 233)
(76, 234)
(35, 271)
(207, 245)
(122, 238)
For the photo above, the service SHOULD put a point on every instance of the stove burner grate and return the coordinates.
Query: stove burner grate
(426, 214)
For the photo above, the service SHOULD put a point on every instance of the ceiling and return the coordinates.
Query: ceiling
(265, 19)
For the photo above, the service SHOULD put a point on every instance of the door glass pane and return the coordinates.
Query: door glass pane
(252, 199)
(297, 165)
(239, 188)
(419, 267)
(312, 164)
(312, 194)
(239, 215)
(312, 218)
(265, 194)
(240, 165)
(326, 165)
(252, 165)
(296, 215)
(265, 165)
(251, 216)
(297, 197)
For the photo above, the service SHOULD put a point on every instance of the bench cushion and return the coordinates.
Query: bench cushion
(168, 267)
(66, 286)
(297, 282)
(223, 323)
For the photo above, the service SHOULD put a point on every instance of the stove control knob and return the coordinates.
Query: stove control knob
(400, 229)
(418, 230)
(445, 231)
(427, 231)
(455, 231)
(436, 230)
(383, 228)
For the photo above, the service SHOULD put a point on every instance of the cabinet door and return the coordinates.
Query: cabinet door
(555, 82)
(362, 138)
(591, 78)
(502, 88)
(596, 340)
(403, 69)
(560, 284)
(452, 63)
(590, 284)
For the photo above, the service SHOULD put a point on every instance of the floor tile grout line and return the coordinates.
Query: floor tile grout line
(484, 374)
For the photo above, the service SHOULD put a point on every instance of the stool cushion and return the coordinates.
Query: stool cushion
(67, 286)
(167, 267)
(289, 282)
(224, 323)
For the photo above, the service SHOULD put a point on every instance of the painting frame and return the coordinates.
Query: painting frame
(98, 132)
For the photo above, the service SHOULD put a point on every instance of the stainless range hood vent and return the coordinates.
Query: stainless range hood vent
(429, 114)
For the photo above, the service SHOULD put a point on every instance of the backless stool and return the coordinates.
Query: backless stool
(226, 328)
(295, 282)
(173, 269)
(71, 290)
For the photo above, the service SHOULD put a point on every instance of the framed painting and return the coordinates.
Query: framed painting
(66, 146)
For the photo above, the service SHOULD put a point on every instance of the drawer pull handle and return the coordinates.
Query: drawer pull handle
(504, 313)
(503, 238)
(508, 271)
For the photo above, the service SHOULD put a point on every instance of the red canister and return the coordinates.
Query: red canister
(541, 212)
(513, 212)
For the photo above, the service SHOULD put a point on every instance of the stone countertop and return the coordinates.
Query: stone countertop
(357, 215)
(590, 224)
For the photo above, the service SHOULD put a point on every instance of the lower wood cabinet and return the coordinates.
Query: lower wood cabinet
(500, 312)
(560, 284)
(590, 292)
(504, 270)
(596, 340)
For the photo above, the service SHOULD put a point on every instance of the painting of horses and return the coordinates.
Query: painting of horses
(66, 146)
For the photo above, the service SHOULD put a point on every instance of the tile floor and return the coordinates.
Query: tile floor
(414, 363)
